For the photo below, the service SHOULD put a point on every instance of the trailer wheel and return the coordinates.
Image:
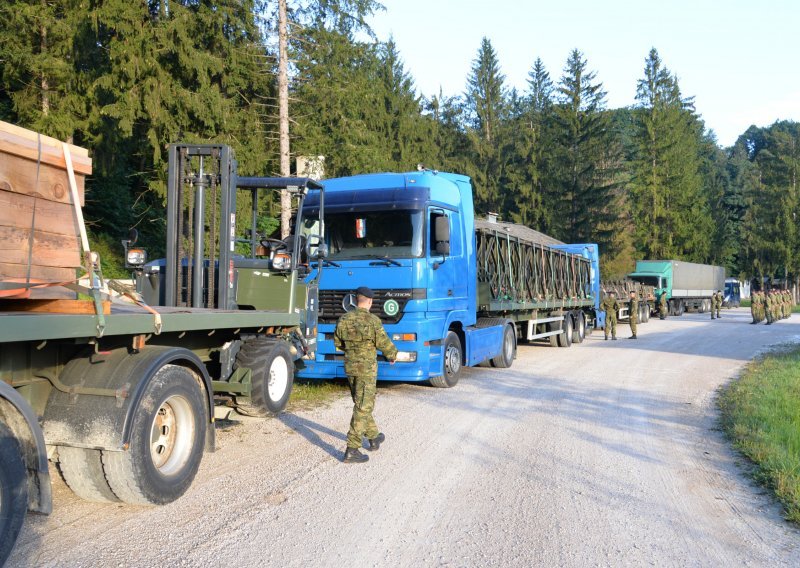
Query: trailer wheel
(579, 333)
(565, 339)
(506, 357)
(272, 373)
(82, 470)
(167, 438)
(13, 492)
(451, 365)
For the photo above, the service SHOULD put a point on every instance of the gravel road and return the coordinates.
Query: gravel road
(604, 454)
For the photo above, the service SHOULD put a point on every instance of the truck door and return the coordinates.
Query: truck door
(448, 273)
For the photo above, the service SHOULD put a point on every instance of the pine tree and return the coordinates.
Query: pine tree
(585, 199)
(485, 107)
(670, 211)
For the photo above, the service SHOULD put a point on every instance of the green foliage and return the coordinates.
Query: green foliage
(587, 159)
(125, 79)
(761, 413)
(670, 210)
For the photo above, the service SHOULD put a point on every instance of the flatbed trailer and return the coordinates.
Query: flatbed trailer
(122, 394)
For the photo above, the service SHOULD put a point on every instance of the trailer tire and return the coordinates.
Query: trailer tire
(82, 470)
(509, 349)
(453, 356)
(565, 338)
(13, 492)
(579, 333)
(272, 373)
(168, 433)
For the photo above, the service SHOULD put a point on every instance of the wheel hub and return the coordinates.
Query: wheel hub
(452, 360)
(171, 435)
(278, 378)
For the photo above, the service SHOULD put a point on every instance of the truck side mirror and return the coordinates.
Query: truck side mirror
(441, 232)
(316, 247)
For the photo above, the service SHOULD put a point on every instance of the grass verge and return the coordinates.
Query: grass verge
(309, 394)
(761, 414)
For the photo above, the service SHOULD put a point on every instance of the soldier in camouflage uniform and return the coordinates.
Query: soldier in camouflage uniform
(720, 299)
(769, 307)
(662, 305)
(754, 307)
(760, 307)
(360, 335)
(610, 306)
(633, 313)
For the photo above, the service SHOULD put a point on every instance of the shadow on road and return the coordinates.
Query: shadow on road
(310, 430)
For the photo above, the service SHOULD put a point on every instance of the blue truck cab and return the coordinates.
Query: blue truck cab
(409, 237)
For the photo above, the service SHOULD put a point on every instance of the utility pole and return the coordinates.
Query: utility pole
(283, 114)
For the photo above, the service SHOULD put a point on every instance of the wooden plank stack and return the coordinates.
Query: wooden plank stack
(36, 209)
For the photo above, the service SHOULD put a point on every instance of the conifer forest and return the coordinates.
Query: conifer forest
(124, 78)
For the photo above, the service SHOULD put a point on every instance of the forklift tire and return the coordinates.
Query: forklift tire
(272, 369)
(168, 434)
(82, 470)
(565, 339)
(453, 357)
(13, 492)
(509, 349)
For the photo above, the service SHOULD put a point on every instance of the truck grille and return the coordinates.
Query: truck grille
(331, 308)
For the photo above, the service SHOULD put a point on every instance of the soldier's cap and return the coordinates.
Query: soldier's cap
(365, 292)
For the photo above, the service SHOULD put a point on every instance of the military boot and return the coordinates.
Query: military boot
(376, 442)
(352, 455)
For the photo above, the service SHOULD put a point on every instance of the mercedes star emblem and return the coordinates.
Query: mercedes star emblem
(349, 302)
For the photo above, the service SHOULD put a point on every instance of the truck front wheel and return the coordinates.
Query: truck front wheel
(272, 368)
(451, 366)
(13, 492)
(167, 438)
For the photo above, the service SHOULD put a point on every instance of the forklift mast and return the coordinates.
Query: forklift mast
(202, 185)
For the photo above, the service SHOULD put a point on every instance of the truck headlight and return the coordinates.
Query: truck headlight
(404, 337)
(282, 262)
(136, 257)
(406, 356)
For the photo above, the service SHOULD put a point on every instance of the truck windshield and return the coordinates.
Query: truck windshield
(367, 234)
(647, 280)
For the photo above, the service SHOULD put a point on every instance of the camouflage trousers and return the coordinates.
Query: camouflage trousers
(662, 311)
(611, 325)
(363, 391)
(634, 321)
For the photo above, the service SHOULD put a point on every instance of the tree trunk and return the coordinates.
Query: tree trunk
(283, 116)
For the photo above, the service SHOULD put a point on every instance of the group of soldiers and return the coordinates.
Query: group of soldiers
(610, 305)
(772, 305)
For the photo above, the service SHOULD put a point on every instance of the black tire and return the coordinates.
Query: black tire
(82, 470)
(13, 492)
(272, 370)
(565, 338)
(509, 350)
(554, 326)
(452, 361)
(579, 332)
(681, 307)
(646, 313)
(167, 439)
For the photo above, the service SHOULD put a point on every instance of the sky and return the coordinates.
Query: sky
(740, 60)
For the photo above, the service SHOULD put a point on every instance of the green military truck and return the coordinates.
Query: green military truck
(123, 400)
(688, 285)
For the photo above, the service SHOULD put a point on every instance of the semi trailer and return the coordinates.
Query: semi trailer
(687, 285)
(450, 289)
